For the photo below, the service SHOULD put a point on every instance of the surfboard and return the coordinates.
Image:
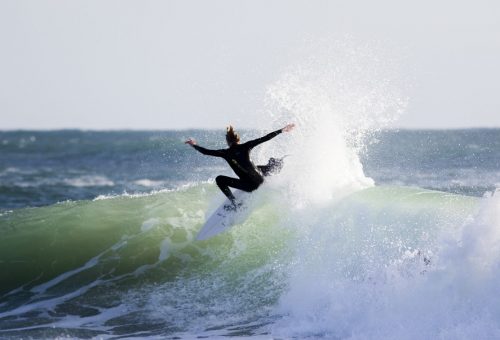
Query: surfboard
(222, 218)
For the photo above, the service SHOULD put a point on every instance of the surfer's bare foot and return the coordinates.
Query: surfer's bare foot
(229, 207)
(234, 206)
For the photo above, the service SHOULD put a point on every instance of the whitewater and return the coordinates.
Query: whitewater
(380, 235)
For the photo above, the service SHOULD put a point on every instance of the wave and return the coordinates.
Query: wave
(410, 264)
(377, 263)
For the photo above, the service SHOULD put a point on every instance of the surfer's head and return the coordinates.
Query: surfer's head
(231, 136)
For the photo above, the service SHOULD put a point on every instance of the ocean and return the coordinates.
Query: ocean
(394, 234)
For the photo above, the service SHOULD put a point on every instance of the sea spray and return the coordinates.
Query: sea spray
(338, 96)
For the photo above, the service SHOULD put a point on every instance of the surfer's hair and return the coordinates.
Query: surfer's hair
(231, 136)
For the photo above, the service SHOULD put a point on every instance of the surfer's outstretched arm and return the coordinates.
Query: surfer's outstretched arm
(269, 136)
(208, 152)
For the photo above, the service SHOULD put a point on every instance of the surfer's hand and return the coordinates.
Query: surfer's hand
(288, 128)
(190, 141)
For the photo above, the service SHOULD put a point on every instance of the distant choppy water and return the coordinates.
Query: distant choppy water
(42, 168)
(458, 161)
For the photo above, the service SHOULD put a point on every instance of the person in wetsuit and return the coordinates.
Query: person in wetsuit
(238, 157)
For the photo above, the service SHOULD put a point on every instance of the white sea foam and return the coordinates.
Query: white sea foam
(11, 170)
(363, 279)
(5, 212)
(14, 170)
(79, 182)
(148, 183)
(89, 181)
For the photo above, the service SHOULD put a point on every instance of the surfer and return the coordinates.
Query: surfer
(238, 157)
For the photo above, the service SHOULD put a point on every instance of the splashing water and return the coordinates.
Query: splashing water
(364, 274)
(338, 97)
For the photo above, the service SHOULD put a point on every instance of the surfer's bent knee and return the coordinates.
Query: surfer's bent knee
(219, 180)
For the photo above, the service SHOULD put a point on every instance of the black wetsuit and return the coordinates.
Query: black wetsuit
(238, 157)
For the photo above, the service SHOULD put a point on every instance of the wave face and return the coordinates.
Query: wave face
(384, 262)
(128, 265)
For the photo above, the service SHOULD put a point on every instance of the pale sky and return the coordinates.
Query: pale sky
(201, 64)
